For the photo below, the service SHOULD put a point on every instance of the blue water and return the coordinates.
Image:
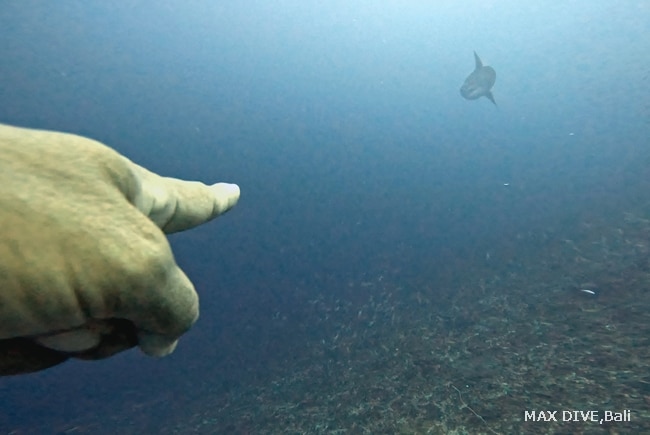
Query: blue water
(357, 158)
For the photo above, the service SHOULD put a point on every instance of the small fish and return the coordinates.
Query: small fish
(479, 83)
(586, 290)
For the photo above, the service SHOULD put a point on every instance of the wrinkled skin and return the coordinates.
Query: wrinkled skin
(85, 267)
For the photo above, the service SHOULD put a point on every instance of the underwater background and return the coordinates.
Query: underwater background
(401, 260)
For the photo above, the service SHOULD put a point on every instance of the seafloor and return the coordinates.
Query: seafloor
(516, 332)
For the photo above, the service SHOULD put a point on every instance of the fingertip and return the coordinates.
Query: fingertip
(227, 195)
(156, 345)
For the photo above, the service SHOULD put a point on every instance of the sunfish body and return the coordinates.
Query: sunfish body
(479, 83)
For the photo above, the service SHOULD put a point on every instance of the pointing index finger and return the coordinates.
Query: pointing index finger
(177, 205)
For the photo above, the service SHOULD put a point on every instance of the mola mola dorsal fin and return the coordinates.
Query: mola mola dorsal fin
(477, 59)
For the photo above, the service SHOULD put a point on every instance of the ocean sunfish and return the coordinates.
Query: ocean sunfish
(479, 82)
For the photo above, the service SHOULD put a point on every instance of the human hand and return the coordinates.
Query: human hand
(86, 270)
